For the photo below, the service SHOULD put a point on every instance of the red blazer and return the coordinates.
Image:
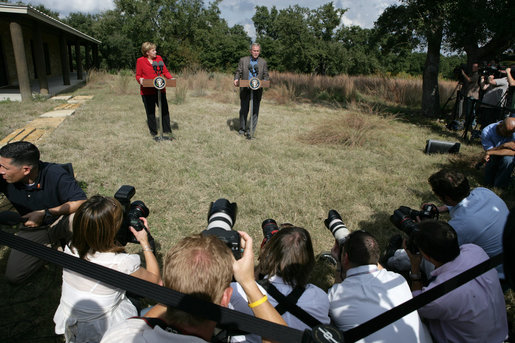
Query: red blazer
(145, 70)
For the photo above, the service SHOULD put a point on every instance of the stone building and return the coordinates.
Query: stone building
(40, 54)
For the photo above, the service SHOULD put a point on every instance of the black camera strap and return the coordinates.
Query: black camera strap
(233, 320)
(224, 316)
(289, 303)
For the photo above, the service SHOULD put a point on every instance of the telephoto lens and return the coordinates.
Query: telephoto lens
(220, 220)
(270, 228)
(335, 224)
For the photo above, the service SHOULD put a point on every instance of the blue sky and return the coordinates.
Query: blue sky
(361, 12)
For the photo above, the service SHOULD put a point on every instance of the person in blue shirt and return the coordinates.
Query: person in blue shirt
(498, 140)
(478, 216)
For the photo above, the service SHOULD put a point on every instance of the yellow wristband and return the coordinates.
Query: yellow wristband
(258, 302)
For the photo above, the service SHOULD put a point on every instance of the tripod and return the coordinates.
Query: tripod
(457, 108)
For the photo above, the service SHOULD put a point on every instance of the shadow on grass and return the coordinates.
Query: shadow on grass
(414, 116)
(233, 124)
(27, 310)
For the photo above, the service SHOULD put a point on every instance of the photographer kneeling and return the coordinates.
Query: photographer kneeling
(88, 308)
(473, 312)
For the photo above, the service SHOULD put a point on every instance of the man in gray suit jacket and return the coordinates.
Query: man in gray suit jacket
(248, 67)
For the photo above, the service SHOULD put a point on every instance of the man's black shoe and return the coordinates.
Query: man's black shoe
(241, 132)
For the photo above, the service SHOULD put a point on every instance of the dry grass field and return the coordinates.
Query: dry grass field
(353, 144)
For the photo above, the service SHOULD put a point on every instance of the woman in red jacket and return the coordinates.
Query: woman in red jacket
(145, 70)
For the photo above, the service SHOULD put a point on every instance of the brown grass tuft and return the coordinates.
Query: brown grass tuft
(351, 129)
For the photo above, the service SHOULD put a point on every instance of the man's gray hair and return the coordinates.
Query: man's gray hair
(255, 44)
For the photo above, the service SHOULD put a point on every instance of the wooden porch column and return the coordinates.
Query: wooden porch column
(39, 55)
(70, 55)
(88, 56)
(65, 63)
(78, 60)
(21, 61)
(96, 62)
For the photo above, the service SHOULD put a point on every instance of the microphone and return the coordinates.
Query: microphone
(154, 65)
(256, 69)
(160, 64)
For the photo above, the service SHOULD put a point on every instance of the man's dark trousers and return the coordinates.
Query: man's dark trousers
(244, 107)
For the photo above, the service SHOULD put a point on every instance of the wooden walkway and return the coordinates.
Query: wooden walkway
(46, 123)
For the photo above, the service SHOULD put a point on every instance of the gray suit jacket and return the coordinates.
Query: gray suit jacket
(242, 73)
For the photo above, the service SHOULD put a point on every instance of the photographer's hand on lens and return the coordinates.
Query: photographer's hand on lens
(142, 235)
(336, 251)
(243, 268)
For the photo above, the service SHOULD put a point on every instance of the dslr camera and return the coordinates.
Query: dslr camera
(270, 228)
(131, 216)
(496, 71)
(404, 218)
(335, 224)
(220, 221)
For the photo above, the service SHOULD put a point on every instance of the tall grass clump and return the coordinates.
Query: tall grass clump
(181, 91)
(122, 84)
(98, 78)
(349, 129)
(315, 88)
(402, 91)
(446, 89)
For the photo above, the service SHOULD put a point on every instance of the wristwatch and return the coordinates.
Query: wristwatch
(48, 215)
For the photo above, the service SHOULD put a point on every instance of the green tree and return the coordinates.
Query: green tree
(483, 29)
(301, 40)
(475, 27)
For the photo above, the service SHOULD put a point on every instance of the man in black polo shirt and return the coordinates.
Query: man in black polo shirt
(44, 194)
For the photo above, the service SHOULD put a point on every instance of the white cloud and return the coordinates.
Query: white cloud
(362, 13)
(64, 7)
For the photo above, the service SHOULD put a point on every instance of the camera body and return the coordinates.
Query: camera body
(131, 216)
(270, 228)
(220, 221)
(496, 71)
(456, 72)
(404, 218)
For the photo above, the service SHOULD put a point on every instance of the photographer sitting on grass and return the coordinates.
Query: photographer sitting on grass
(367, 290)
(478, 216)
(473, 312)
(87, 307)
(203, 267)
(285, 264)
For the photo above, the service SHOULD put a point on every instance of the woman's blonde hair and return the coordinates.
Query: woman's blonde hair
(146, 47)
(96, 224)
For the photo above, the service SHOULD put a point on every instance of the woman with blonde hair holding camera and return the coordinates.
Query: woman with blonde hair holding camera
(88, 307)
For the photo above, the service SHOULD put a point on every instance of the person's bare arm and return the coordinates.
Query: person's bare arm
(151, 273)
(35, 218)
(506, 149)
(244, 275)
(511, 81)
